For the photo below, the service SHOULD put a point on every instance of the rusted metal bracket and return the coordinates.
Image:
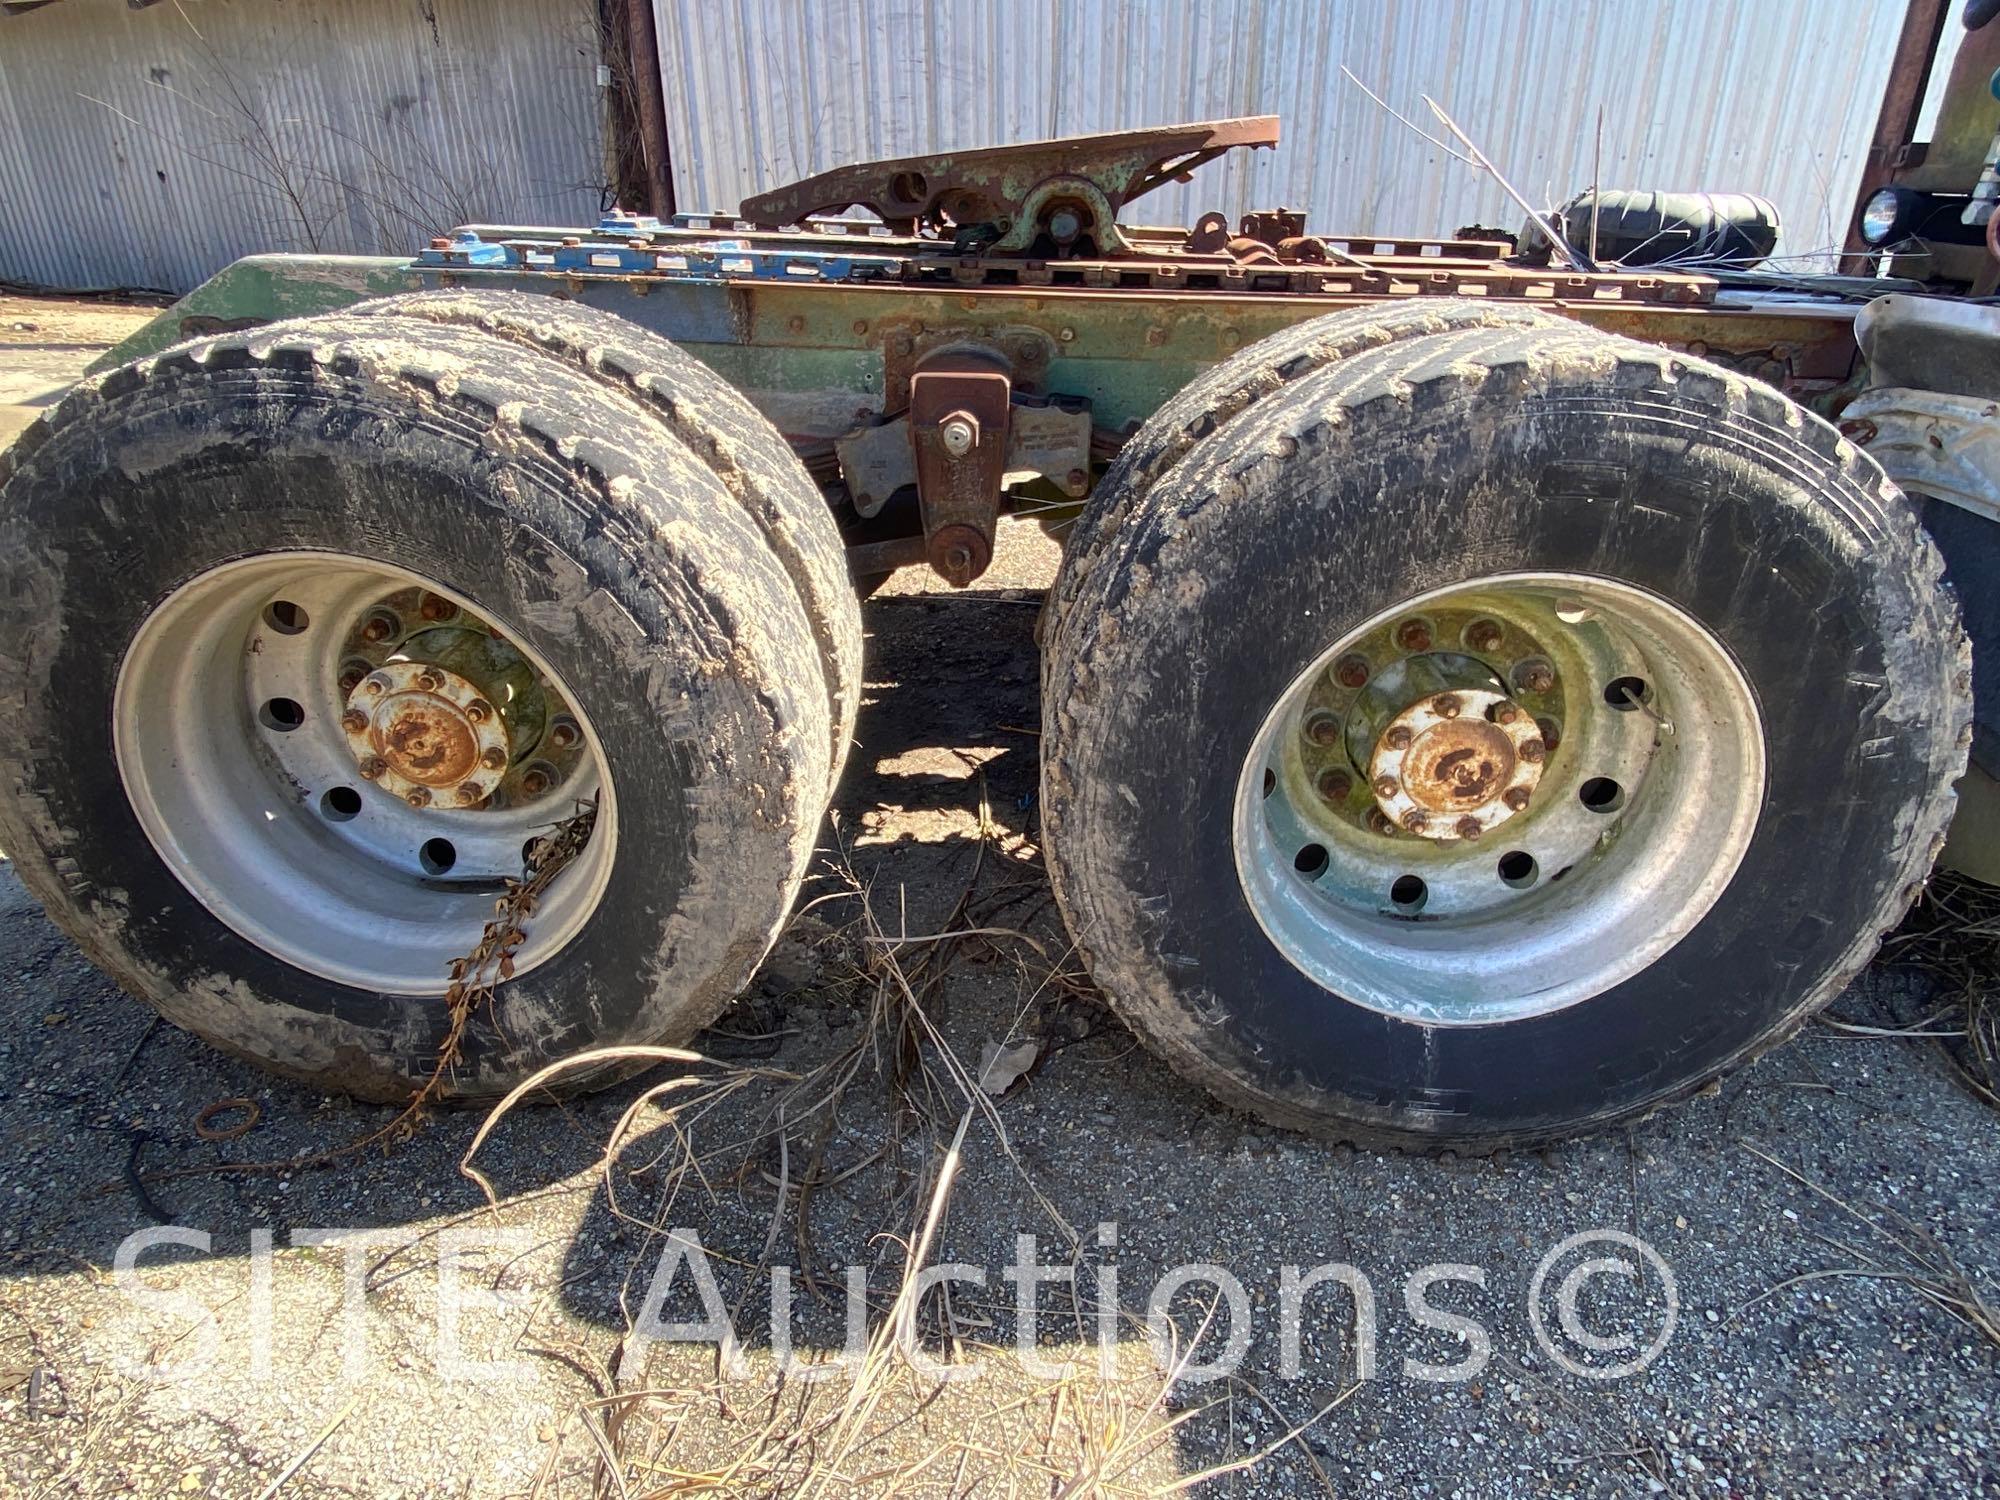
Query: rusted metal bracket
(958, 426)
(1048, 437)
(1046, 199)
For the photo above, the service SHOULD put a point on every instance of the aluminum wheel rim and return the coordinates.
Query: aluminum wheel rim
(274, 829)
(1617, 880)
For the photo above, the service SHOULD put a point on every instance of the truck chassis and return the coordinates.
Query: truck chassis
(1482, 701)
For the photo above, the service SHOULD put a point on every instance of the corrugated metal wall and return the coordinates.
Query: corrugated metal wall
(1768, 96)
(152, 147)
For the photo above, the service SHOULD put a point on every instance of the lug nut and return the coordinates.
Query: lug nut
(1516, 799)
(1505, 713)
(1378, 822)
(958, 433)
(351, 678)
(418, 796)
(534, 782)
(470, 793)
(1416, 822)
(1398, 737)
(373, 767)
(376, 686)
(1323, 729)
(354, 721)
(430, 682)
(378, 629)
(563, 735)
(1387, 786)
(1413, 635)
(494, 759)
(478, 710)
(1335, 785)
(1483, 635)
(1534, 677)
(1445, 706)
(434, 608)
(1468, 829)
(1351, 671)
(1551, 735)
(1532, 751)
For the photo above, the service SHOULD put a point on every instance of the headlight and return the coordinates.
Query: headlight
(1882, 216)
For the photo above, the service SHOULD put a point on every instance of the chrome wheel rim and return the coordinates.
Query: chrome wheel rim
(246, 714)
(1554, 855)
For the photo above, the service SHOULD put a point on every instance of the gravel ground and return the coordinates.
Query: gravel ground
(1766, 1382)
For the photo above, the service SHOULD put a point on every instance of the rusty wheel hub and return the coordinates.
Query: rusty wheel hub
(422, 732)
(346, 764)
(1456, 765)
(1498, 798)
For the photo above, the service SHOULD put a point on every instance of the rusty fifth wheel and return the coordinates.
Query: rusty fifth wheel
(311, 633)
(1466, 731)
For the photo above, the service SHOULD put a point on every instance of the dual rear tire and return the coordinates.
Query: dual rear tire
(1736, 692)
(211, 558)
(1462, 729)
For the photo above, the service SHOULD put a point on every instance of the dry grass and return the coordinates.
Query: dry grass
(889, 1424)
(1952, 935)
(1892, 1249)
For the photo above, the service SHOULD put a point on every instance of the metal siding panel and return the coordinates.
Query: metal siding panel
(153, 147)
(1768, 96)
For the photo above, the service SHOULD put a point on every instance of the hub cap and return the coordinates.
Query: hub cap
(1500, 798)
(417, 729)
(346, 764)
(1456, 765)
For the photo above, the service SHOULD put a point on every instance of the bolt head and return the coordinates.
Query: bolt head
(1334, 786)
(534, 783)
(1468, 829)
(1484, 635)
(563, 736)
(1413, 635)
(958, 434)
(494, 759)
(1378, 822)
(375, 687)
(479, 710)
(435, 608)
(378, 629)
(1505, 713)
(373, 767)
(1551, 734)
(354, 721)
(1532, 751)
(1517, 799)
(1387, 786)
(1398, 737)
(418, 796)
(1535, 677)
(1351, 671)
(430, 682)
(1416, 822)
(1446, 706)
(470, 793)
(1323, 729)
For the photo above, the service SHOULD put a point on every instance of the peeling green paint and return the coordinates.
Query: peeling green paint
(262, 289)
